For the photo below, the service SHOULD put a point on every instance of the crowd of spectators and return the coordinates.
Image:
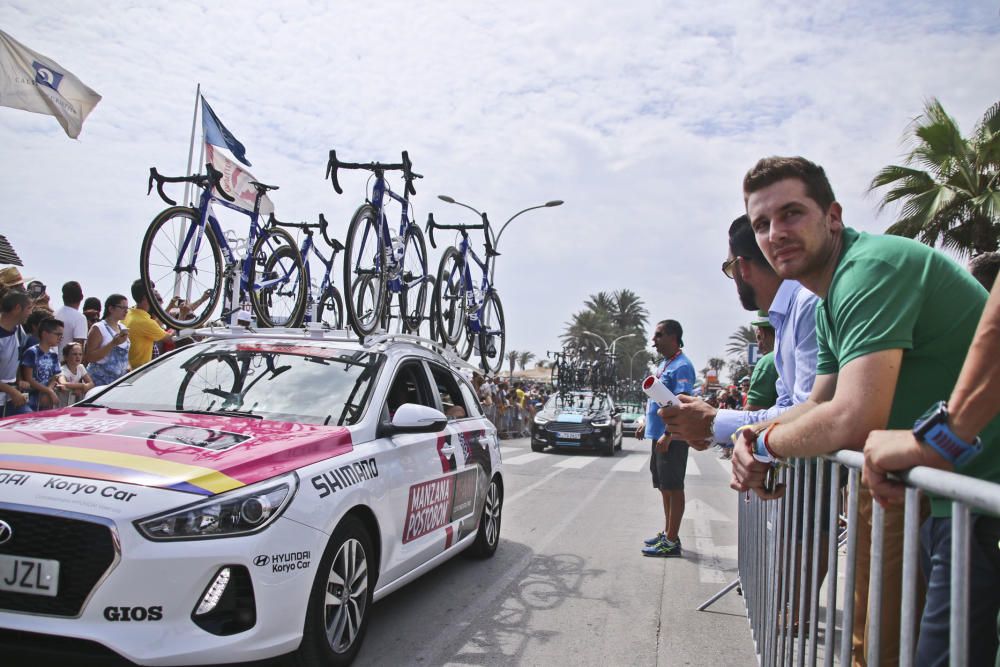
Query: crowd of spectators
(510, 404)
(51, 358)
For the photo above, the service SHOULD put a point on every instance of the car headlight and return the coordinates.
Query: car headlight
(239, 512)
(601, 422)
(541, 421)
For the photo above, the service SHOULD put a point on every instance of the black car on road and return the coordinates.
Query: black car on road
(578, 420)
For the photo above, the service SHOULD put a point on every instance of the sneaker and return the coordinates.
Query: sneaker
(663, 549)
(656, 539)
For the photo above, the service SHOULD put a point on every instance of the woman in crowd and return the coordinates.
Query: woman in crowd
(107, 348)
(92, 310)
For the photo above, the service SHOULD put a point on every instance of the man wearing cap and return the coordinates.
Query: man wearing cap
(763, 392)
(74, 321)
(668, 461)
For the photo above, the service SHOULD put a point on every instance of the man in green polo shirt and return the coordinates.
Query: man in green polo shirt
(893, 324)
(763, 392)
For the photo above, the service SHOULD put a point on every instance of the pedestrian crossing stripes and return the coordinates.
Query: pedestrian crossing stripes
(626, 461)
(632, 463)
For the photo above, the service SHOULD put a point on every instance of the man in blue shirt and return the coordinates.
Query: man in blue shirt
(668, 462)
(791, 310)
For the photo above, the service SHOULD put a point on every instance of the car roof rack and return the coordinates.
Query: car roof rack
(316, 333)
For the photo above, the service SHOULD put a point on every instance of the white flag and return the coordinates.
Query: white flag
(236, 182)
(30, 81)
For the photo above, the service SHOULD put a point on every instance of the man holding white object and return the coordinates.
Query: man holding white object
(668, 461)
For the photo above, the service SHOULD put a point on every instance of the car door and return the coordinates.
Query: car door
(473, 446)
(419, 493)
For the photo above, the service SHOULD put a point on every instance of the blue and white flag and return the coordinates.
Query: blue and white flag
(217, 134)
(32, 82)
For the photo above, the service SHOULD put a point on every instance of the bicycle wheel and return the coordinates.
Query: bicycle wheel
(465, 345)
(413, 295)
(364, 256)
(492, 334)
(208, 383)
(331, 309)
(190, 278)
(277, 281)
(451, 297)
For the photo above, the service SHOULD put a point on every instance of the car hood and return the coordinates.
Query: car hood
(196, 454)
(573, 417)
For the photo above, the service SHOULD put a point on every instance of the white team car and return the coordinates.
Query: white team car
(242, 498)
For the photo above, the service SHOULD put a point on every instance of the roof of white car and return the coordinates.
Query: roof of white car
(391, 344)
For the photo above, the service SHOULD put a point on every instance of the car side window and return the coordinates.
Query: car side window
(471, 401)
(409, 386)
(452, 401)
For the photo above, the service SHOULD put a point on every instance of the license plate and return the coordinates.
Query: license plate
(568, 436)
(35, 576)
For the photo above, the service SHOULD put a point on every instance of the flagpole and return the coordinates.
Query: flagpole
(194, 123)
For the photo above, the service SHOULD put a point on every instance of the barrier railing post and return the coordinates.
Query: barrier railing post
(850, 567)
(802, 537)
(788, 609)
(908, 611)
(818, 466)
(874, 621)
(832, 566)
(959, 618)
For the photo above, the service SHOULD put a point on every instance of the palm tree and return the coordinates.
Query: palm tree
(950, 186)
(523, 358)
(739, 340)
(714, 364)
(628, 314)
(512, 358)
(587, 320)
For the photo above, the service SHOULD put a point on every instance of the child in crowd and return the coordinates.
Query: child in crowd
(76, 380)
(40, 366)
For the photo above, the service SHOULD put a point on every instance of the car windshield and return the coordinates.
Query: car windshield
(576, 403)
(293, 382)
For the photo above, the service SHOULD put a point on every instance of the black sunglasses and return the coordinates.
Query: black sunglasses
(729, 268)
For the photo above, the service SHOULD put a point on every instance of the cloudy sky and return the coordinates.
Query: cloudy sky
(642, 116)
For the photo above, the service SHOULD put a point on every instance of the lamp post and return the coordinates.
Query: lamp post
(496, 239)
(609, 348)
(631, 359)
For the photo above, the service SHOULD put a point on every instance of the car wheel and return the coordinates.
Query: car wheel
(536, 447)
(341, 598)
(610, 450)
(488, 535)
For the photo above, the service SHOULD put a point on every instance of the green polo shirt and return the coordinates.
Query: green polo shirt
(763, 393)
(892, 293)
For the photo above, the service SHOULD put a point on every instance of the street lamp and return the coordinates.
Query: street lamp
(609, 348)
(496, 240)
(631, 359)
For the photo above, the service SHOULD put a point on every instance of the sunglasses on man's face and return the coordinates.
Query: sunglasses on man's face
(729, 268)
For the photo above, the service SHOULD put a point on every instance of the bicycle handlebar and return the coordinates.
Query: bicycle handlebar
(333, 164)
(308, 227)
(212, 179)
(484, 225)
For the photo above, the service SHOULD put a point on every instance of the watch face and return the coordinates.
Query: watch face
(936, 414)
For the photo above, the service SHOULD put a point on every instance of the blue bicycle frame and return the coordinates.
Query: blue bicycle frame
(380, 190)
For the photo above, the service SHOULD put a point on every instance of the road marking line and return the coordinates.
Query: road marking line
(632, 463)
(692, 467)
(576, 462)
(508, 451)
(525, 458)
(531, 487)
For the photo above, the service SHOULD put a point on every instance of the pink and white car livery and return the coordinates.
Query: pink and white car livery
(241, 498)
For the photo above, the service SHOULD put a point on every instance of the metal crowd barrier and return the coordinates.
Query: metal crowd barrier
(511, 422)
(780, 567)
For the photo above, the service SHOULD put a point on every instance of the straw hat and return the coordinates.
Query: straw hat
(11, 277)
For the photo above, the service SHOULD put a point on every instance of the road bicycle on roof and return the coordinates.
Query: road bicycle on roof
(381, 260)
(183, 252)
(328, 308)
(469, 313)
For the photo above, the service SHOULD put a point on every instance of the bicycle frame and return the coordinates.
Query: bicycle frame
(474, 309)
(393, 265)
(308, 245)
(195, 234)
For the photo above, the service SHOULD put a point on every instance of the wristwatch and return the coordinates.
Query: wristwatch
(932, 429)
(758, 444)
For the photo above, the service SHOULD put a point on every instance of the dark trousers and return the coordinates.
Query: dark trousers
(984, 591)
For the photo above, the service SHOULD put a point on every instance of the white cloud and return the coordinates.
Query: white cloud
(642, 117)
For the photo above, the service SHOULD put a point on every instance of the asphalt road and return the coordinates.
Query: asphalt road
(568, 584)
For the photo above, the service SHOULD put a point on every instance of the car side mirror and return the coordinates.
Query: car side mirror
(413, 418)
